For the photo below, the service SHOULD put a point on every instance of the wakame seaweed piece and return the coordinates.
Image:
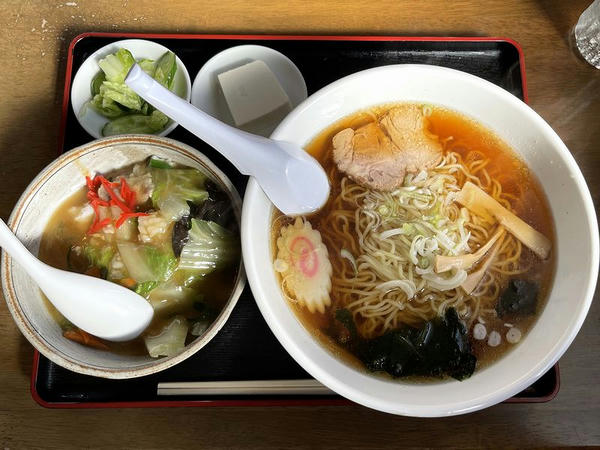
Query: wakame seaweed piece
(217, 208)
(519, 298)
(394, 353)
(205, 312)
(462, 364)
(214, 191)
(445, 349)
(443, 344)
(440, 347)
(217, 211)
(77, 261)
(344, 316)
(181, 234)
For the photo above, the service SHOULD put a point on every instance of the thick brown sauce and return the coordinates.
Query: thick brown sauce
(532, 206)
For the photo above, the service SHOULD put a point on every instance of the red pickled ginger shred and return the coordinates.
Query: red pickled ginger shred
(125, 201)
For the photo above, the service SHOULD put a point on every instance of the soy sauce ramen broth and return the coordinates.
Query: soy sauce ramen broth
(63, 232)
(463, 136)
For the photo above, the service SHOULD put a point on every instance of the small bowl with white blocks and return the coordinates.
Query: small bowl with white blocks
(250, 87)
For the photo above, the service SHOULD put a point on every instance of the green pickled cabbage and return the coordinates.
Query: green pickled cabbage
(106, 107)
(113, 99)
(136, 123)
(122, 94)
(165, 70)
(116, 66)
(147, 65)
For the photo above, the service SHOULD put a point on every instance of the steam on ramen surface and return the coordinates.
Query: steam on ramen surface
(168, 232)
(433, 255)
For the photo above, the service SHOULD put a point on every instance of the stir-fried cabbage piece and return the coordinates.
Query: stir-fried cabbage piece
(170, 341)
(174, 188)
(130, 237)
(98, 253)
(172, 297)
(145, 287)
(210, 247)
(146, 262)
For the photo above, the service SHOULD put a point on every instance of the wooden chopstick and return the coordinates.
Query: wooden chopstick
(249, 387)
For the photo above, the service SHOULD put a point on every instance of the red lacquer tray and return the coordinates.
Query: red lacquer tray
(245, 348)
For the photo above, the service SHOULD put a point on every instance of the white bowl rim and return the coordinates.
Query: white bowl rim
(124, 43)
(254, 196)
(33, 335)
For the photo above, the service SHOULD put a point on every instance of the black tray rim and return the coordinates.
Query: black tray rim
(328, 401)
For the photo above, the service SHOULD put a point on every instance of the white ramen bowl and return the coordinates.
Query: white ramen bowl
(57, 182)
(571, 206)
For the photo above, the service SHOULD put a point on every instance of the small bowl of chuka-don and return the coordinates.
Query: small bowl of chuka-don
(105, 106)
(457, 255)
(149, 213)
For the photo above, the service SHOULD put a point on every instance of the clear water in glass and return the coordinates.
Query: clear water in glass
(587, 34)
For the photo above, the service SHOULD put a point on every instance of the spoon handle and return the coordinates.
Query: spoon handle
(247, 152)
(13, 246)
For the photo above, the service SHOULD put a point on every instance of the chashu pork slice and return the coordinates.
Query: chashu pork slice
(380, 154)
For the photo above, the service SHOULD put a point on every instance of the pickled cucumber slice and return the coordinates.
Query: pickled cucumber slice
(165, 70)
(136, 123)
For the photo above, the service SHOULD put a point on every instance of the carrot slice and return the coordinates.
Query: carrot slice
(84, 338)
(129, 283)
(94, 272)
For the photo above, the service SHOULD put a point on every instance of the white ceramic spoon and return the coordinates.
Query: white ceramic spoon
(292, 179)
(101, 308)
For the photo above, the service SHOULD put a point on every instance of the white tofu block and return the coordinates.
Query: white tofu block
(252, 91)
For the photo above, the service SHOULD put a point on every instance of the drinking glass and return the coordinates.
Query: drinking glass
(587, 34)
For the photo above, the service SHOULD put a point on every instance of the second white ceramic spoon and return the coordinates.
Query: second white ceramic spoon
(292, 179)
(101, 308)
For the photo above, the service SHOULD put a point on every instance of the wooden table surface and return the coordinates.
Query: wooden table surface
(34, 36)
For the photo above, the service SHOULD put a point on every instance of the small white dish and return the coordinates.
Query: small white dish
(207, 94)
(93, 122)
